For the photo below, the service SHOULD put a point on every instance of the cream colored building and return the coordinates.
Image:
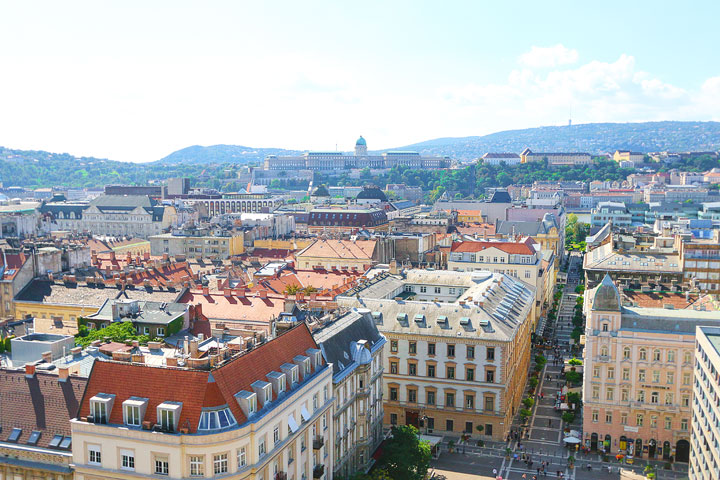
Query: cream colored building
(262, 413)
(221, 245)
(638, 375)
(354, 346)
(454, 363)
(338, 255)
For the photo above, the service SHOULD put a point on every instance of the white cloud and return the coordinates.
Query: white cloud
(544, 57)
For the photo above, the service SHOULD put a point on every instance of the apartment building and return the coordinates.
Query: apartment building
(638, 376)
(705, 438)
(614, 212)
(556, 158)
(700, 260)
(454, 363)
(354, 347)
(263, 413)
(220, 243)
(339, 255)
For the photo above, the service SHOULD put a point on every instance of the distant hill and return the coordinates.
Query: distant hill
(223, 154)
(591, 137)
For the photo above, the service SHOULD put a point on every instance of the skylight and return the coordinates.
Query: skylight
(34, 437)
(55, 442)
(15, 434)
(66, 442)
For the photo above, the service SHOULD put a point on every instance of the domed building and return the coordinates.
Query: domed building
(361, 147)
(320, 191)
(371, 194)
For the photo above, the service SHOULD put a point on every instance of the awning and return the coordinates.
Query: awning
(571, 440)
(305, 414)
(292, 423)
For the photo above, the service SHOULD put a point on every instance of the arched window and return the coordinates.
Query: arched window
(626, 353)
(671, 356)
(643, 354)
(604, 351)
(656, 355)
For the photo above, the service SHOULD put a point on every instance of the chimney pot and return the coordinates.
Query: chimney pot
(76, 351)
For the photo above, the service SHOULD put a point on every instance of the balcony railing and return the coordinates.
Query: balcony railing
(318, 442)
(318, 470)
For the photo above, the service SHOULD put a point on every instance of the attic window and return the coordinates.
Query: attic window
(101, 406)
(216, 419)
(442, 319)
(67, 441)
(402, 317)
(55, 442)
(34, 437)
(168, 414)
(464, 321)
(419, 318)
(15, 434)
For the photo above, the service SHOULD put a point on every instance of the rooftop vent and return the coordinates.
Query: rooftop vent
(464, 321)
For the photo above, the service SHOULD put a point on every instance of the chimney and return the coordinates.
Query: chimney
(112, 255)
(136, 343)
(121, 356)
(146, 256)
(219, 284)
(51, 277)
(93, 256)
(193, 348)
(63, 374)
(76, 351)
(393, 267)
(263, 293)
(138, 358)
(171, 361)
(29, 370)
(166, 257)
(47, 357)
(206, 291)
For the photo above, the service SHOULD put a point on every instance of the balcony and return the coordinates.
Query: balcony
(318, 470)
(318, 442)
(602, 358)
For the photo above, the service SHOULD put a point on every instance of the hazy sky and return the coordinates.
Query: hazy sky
(128, 81)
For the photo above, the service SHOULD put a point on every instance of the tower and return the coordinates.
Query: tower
(361, 147)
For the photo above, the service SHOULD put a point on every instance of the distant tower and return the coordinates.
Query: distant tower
(570, 122)
(361, 147)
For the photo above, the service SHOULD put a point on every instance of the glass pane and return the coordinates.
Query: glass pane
(223, 419)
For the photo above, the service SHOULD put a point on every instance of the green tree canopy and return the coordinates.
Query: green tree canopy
(405, 456)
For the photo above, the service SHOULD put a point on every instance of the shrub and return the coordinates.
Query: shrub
(573, 377)
(525, 413)
(575, 361)
(528, 402)
(533, 382)
(540, 360)
(568, 417)
(580, 289)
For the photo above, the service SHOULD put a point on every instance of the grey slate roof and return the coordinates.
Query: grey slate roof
(338, 340)
(154, 313)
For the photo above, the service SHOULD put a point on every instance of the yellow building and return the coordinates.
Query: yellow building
(469, 216)
(338, 255)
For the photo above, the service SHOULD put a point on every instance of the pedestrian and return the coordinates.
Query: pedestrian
(538, 472)
(494, 472)
(549, 422)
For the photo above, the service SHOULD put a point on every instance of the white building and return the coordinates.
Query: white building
(262, 413)
(705, 436)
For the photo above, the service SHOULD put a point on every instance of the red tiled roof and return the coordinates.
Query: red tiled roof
(507, 247)
(15, 261)
(38, 403)
(194, 388)
(360, 249)
(250, 309)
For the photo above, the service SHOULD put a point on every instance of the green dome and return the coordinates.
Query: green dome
(361, 141)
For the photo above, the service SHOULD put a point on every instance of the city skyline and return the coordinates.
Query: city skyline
(136, 83)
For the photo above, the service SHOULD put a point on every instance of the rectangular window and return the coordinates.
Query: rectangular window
(468, 427)
(469, 401)
(197, 467)
(160, 332)
(489, 404)
(132, 415)
(450, 372)
(684, 424)
(610, 373)
(412, 369)
(393, 346)
(412, 348)
(276, 435)
(595, 415)
(394, 367)
(626, 374)
(450, 350)
(656, 376)
(437, 289)
(596, 372)
(220, 463)
(449, 399)
(99, 411)
(490, 353)
(167, 420)
(162, 466)
(470, 352)
(668, 423)
(641, 375)
(412, 396)
(242, 457)
(431, 349)
(127, 460)
(686, 378)
(94, 455)
(610, 394)
(490, 376)
(623, 418)
(431, 398)
(261, 447)
(470, 374)
(431, 370)
(639, 419)
(393, 419)
(393, 394)
(608, 417)
(670, 378)
(449, 425)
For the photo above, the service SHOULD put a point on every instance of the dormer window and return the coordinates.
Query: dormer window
(168, 414)
(247, 401)
(316, 356)
(291, 371)
(216, 419)
(134, 410)
(101, 406)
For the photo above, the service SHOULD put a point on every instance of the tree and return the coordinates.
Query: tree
(405, 456)
(292, 289)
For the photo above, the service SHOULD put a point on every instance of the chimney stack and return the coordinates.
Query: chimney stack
(63, 374)
(29, 370)
(47, 357)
